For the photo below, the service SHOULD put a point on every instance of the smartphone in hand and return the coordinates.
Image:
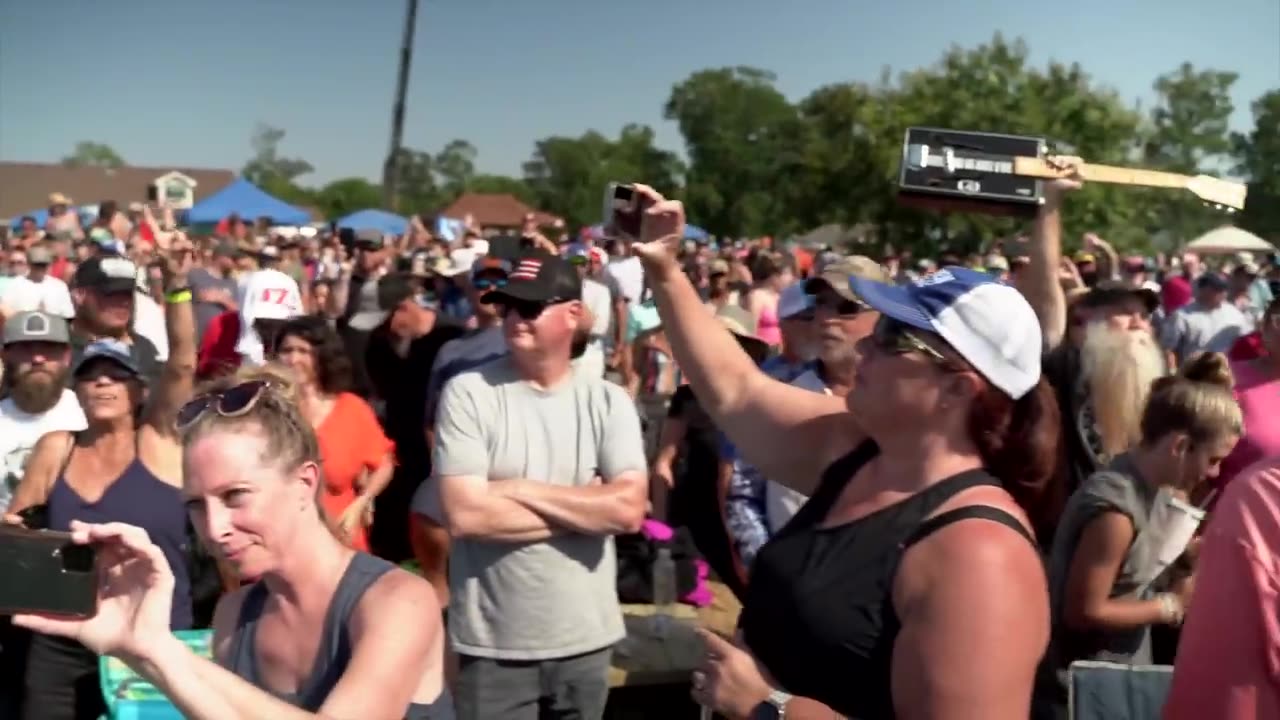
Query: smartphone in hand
(46, 573)
(623, 211)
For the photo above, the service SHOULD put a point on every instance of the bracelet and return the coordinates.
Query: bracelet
(176, 297)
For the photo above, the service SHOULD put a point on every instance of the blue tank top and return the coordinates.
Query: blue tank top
(138, 498)
(335, 642)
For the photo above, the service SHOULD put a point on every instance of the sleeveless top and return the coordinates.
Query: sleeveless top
(819, 612)
(767, 327)
(335, 642)
(136, 497)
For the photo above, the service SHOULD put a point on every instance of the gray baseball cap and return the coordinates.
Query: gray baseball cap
(36, 326)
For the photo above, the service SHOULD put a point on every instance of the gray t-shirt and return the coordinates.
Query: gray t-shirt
(1117, 488)
(1196, 328)
(549, 599)
(200, 280)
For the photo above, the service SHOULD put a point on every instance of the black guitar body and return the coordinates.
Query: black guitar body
(959, 171)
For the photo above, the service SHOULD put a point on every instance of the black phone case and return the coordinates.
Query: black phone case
(46, 573)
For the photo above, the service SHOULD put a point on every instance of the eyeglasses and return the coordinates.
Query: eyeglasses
(108, 369)
(528, 309)
(841, 306)
(484, 284)
(894, 338)
(232, 402)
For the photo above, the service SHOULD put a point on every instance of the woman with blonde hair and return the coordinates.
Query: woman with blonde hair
(1103, 567)
(315, 635)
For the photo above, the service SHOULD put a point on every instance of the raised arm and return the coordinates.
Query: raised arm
(177, 380)
(1039, 281)
(789, 433)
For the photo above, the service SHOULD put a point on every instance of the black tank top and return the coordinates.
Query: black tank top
(819, 613)
(335, 642)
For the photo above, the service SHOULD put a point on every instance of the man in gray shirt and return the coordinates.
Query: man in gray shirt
(538, 467)
(1207, 324)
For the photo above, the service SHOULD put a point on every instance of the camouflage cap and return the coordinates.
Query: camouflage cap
(836, 274)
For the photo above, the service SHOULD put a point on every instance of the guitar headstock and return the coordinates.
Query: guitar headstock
(1217, 191)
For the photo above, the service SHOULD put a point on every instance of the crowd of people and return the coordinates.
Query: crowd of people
(387, 472)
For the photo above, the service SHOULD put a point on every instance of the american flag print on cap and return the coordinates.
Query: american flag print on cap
(527, 269)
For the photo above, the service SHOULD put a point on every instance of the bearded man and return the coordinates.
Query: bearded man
(37, 353)
(1101, 353)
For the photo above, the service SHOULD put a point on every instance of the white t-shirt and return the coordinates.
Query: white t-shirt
(148, 321)
(50, 295)
(628, 276)
(19, 432)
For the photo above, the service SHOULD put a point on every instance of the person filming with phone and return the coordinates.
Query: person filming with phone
(924, 485)
(327, 631)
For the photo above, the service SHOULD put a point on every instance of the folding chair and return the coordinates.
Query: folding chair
(129, 697)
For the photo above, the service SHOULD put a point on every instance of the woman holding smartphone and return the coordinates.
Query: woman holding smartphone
(326, 632)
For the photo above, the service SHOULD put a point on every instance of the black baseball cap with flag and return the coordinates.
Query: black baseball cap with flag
(538, 277)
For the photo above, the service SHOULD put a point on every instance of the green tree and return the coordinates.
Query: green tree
(1188, 134)
(92, 154)
(738, 129)
(347, 195)
(272, 172)
(1258, 154)
(454, 166)
(416, 188)
(567, 176)
(501, 185)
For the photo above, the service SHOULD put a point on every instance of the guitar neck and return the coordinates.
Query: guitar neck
(1036, 167)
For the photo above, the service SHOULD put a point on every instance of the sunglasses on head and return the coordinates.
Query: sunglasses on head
(896, 338)
(232, 402)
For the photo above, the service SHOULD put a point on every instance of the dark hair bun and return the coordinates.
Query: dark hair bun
(1208, 367)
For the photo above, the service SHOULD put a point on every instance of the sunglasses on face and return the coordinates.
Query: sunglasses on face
(232, 402)
(486, 284)
(895, 338)
(527, 310)
(839, 305)
(105, 369)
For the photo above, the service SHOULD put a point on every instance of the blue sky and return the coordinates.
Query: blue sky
(185, 83)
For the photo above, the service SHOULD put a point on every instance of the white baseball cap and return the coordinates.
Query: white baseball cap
(986, 321)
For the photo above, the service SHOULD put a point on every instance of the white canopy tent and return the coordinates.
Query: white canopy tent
(1227, 240)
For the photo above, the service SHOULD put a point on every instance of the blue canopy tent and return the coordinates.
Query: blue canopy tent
(693, 232)
(249, 202)
(387, 223)
(87, 216)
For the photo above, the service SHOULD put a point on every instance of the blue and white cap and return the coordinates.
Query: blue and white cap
(987, 322)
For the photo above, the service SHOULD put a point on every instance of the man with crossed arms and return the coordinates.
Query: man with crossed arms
(538, 467)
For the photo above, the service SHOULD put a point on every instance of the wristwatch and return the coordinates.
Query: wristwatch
(773, 707)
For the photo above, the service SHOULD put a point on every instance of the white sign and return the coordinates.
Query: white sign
(175, 190)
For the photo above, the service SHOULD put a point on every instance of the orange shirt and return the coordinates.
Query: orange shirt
(351, 442)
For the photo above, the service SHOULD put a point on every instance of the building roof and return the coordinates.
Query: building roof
(25, 187)
(497, 210)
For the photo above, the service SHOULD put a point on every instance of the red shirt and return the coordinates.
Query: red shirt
(1247, 347)
(218, 354)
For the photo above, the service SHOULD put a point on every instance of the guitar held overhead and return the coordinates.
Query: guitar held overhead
(1000, 174)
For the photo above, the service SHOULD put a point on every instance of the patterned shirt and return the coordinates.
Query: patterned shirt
(746, 514)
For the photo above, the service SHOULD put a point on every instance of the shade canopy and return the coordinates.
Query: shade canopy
(388, 223)
(1228, 239)
(249, 202)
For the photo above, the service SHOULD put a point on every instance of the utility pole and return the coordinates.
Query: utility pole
(397, 112)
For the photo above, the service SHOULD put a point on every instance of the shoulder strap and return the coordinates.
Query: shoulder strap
(979, 512)
(67, 452)
(241, 657)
